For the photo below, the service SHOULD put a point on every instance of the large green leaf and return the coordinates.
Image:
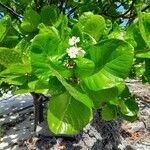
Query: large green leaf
(49, 15)
(113, 59)
(103, 96)
(9, 56)
(147, 70)
(92, 24)
(55, 86)
(85, 38)
(16, 73)
(4, 26)
(144, 26)
(45, 60)
(76, 31)
(127, 104)
(84, 67)
(44, 48)
(38, 86)
(46, 43)
(109, 112)
(17, 69)
(129, 107)
(14, 79)
(66, 115)
(62, 26)
(133, 36)
(76, 94)
(116, 33)
(30, 21)
(143, 54)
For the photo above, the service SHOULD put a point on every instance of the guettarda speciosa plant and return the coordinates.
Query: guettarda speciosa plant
(76, 62)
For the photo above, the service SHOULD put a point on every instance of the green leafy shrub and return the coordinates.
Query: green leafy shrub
(79, 61)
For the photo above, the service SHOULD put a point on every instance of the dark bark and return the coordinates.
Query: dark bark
(38, 109)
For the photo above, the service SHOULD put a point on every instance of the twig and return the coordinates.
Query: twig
(61, 6)
(121, 4)
(145, 8)
(12, 12)
(130, 8)
(134, 15)
(72, 10)
(107, 7)
(122, 15)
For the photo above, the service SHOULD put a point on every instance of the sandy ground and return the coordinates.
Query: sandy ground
(19, 135)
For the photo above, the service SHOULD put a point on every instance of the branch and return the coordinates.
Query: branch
(145, 8)
(61, 5)
(72, 10)
(12, 12)
(122, 15)
(131, 6)
(121, 4)
(134, 15)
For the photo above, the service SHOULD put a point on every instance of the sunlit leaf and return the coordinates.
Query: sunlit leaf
(113, 59)
(71, 116)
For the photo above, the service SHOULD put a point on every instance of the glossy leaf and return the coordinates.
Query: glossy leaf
(84, 67)
(30, 21)
(113, 59)
(144, 54)
(4, 26)
(17, 68)
(79, 96)
(9, 56)
(71, 116)
(49, 15)
(129, 107)
(92, 24)
(55, 86)
(133, 36)
(103, 96)
(44, 45)
(144, 26)
(43, 48)
(147, 71)
(45, 63)
(109, 112)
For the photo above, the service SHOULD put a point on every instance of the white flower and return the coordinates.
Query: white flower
(74, 40)
(72, 52)
(81, 52)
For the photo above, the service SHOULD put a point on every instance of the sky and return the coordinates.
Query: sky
(121, 9)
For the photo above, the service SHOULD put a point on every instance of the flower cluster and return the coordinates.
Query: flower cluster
(75, 51)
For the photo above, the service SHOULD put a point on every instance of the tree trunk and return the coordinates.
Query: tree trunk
(38, 109)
